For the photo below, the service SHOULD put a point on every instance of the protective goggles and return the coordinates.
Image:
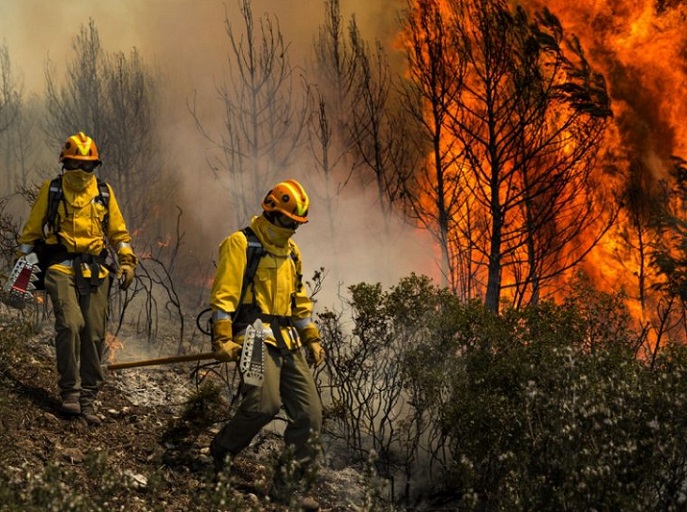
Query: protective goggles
(71, 164)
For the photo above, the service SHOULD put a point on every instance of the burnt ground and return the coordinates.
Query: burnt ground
(149, 453)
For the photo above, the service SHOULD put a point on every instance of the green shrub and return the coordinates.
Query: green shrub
(543, 408)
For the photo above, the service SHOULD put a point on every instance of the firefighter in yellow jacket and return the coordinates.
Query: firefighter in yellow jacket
(73, 247)
(277, 296)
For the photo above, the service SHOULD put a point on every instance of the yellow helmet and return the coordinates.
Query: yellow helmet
(80, 147)
(288, 198)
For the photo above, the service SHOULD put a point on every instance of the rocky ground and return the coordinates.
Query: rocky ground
(149, 453)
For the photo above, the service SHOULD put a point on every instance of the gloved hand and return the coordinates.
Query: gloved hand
(127, 264)
(125, 276)
(313, 341)
(316, 352)
(222, 343)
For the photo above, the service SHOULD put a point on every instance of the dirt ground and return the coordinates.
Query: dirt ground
(149, 453)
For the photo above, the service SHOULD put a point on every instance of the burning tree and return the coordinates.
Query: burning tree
(432, 195)
(655, 243)
(513, 116)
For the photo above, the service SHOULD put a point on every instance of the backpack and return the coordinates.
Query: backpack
(55, 195)
(254, 253)
(50, 254)
(244, 313)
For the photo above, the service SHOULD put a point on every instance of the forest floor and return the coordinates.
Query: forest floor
(149, 453)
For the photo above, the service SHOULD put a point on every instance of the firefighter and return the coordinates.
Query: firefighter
(72, 219)
(278, 297)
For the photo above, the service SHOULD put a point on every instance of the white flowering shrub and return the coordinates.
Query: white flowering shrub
(544, 408)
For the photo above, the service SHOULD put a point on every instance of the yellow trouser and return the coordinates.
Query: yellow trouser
(289, 380)
(80, 335)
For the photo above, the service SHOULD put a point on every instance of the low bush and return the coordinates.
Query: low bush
(542, 408)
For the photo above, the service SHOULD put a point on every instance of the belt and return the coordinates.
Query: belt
(266, 332)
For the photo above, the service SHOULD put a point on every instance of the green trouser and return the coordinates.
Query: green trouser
(80, 336)
(287, 379)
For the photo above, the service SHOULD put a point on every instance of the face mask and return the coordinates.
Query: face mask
(279, 234)
(77, 180)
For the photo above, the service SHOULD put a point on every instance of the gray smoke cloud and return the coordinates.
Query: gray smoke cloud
(186, 41)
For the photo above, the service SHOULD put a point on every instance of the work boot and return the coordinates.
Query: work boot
(88, 413)
(282, 487)
(70, 405)
(220, 458)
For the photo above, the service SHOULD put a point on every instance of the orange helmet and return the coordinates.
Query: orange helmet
(80, 147)
(288, 198)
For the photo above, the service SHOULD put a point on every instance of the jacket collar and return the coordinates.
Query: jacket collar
(80, 198)
(274, 239)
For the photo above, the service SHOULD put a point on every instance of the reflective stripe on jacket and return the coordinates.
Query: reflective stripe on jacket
(80, 227)
(277, 282)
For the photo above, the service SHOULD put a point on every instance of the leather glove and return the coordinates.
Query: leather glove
(313, 341)
(316, 352)
(125, 275)
(222, 343)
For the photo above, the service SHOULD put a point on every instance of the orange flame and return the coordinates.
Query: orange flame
(640, 47)
(113, 346)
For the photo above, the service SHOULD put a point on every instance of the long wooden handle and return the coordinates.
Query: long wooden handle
(162, 360)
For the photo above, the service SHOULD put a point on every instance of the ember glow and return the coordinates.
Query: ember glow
(113, 346)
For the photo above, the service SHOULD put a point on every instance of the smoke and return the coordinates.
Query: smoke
(185, 41)
(185, 36)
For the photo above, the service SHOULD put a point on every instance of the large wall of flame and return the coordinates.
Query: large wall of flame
(641, 47)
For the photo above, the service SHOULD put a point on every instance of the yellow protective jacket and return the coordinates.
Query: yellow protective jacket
(80, 227)
(277, 287)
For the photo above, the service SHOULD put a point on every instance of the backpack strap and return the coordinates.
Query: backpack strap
(104, 199)
(55, 195)
(254, 253)
(299, 277)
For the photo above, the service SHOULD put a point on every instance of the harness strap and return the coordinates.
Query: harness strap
(104, 199)
(246, 314)
(56, 195)
(254, 253)
(86, 286)
(276, 323)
